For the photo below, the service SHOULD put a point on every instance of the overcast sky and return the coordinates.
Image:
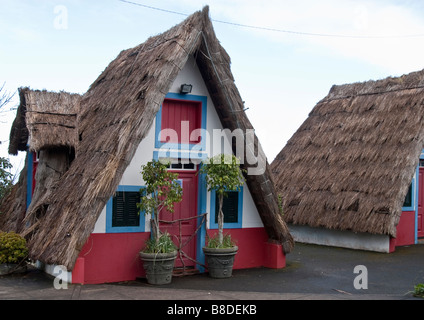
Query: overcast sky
(285, 57)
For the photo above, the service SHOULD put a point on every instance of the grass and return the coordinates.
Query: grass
(226, 243)
(163, 245)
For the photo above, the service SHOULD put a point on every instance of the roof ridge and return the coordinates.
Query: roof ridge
(411, 81)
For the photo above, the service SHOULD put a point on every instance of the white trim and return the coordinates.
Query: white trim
(344, 239)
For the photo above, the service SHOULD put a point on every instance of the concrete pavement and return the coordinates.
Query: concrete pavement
(312, 273)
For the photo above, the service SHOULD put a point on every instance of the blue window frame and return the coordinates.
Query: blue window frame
(30, 160)
(111, 222)
(411, 197)
(227, 225)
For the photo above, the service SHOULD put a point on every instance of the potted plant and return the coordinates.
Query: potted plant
(162, 192)
(223, 175)
(13, 253)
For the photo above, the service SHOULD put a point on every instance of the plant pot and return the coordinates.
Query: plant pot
(12, 268)
(159, 267)
(220, 261)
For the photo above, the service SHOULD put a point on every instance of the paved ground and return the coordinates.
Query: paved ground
(312, 273)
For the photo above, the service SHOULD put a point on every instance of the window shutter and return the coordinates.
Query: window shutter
(408, 198)
(229, 207)
(125, 211)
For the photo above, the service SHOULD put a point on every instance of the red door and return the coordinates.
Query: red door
(420, 224)
(187, 208)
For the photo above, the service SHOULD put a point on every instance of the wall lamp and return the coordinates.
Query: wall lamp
(186, 88)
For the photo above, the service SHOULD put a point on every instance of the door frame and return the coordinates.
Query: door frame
(196, 152)
(202, 193)
(420, 197)
(192, 173)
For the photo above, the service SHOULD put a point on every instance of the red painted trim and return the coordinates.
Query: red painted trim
(405, 234)
(392, 245)
(108, 258)
(274, 256)
(78, 272)
(420, 206)
(254, 249)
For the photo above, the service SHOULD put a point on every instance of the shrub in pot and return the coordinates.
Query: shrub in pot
(162, 192)
(223, 174)
(13, 253)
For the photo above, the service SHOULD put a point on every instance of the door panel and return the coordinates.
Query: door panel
(176, 114)
(187, 208)
(420, 225)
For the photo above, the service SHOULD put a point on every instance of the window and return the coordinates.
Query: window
(125, 211)
(408, 199)
(181, 122)
(182, 164)
(122, 214)
(229, 207)
(232, 208)
(182, 117)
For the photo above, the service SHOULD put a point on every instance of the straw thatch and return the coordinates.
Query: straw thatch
(115, 115)
(51, 119)
(45, 120)
(19, 132)
(13, 205)
(350, 164)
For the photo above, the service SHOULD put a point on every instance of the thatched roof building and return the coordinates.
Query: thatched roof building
(350, 164)
(44, 120)
(46, 123)
(114, 117)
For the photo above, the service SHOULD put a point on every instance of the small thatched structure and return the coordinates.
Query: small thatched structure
(114, 117)
(46, 123)
(13, 206)
(19, 133)
(350, 164)
(45, 120)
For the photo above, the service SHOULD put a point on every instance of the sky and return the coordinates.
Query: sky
(286, 54)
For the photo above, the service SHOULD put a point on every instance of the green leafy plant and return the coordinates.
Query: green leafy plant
(227, 242)
(13, 248)
(223, 174)
(162, 192)
(162, 245)
(6, 178)
(419, 290)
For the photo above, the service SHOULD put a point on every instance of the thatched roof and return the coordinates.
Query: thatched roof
(350, 164)
(116, 114)
(19, 133)
(13, 205)
(44, 120)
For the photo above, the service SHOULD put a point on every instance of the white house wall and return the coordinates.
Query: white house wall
(132, 176)
(338, 238)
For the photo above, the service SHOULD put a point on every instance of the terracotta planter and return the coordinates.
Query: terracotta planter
(220, 261)
(159, 267)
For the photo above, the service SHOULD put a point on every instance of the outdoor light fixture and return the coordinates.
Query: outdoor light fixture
(186, 88)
